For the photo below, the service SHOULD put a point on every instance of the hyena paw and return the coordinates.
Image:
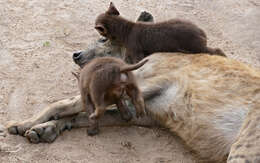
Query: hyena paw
(46, 132)
(18, 128)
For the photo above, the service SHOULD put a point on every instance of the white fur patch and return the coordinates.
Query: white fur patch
(123, 77)
(161, 104)
(229, 121)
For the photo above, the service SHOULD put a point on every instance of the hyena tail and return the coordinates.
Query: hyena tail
(215, 51)
(133, 67)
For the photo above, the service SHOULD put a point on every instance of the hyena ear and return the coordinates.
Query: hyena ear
(112, 10)
(145, 17)
(101, 30)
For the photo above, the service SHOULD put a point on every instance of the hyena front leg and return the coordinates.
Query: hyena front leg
(49, 131)
(56, 110)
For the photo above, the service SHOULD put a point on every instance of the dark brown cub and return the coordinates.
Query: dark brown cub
(142, 39)
(104, 81)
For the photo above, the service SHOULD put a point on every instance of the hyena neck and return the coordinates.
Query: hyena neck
(121, 29)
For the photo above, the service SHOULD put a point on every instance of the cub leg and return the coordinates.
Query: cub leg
(94, 117)
(91, 111)
(137, 99)
(123, 110)
(215, 51)
(132, 57)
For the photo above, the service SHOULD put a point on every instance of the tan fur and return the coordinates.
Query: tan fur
(211, 97)
(204, 99)
(246, 147)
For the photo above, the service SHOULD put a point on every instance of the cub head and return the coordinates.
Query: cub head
(104, 47)
(103, 20)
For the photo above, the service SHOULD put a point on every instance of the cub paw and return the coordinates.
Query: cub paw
(127, 117)
(93, 131)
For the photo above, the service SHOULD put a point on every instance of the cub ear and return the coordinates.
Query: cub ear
(101, 29)
(112, 10)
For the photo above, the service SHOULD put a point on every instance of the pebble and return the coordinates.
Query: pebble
(2, 129)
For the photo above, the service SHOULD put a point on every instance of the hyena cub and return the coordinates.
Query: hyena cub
(142, 39)
(103, 82)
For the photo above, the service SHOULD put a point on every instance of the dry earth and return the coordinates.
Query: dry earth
(37, 38)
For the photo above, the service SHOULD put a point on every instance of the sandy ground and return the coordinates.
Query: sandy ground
(37, 39)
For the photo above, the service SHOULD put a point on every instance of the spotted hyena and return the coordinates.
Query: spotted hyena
(211, 102)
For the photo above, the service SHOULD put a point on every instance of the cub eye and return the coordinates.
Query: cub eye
(100, 29)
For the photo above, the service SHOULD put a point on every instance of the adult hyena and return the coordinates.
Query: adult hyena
(211, 102)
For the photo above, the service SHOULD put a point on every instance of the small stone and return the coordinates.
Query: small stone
(127, 144)
(2, 128)
(2, 131)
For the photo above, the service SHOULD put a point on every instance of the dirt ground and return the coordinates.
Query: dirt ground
(37, 39)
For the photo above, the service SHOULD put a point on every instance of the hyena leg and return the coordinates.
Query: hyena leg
(49, 131)
(38, 131)
(56, 110)
(246, 148)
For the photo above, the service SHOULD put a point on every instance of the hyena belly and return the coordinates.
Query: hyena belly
(209, 133)
(207, 122)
